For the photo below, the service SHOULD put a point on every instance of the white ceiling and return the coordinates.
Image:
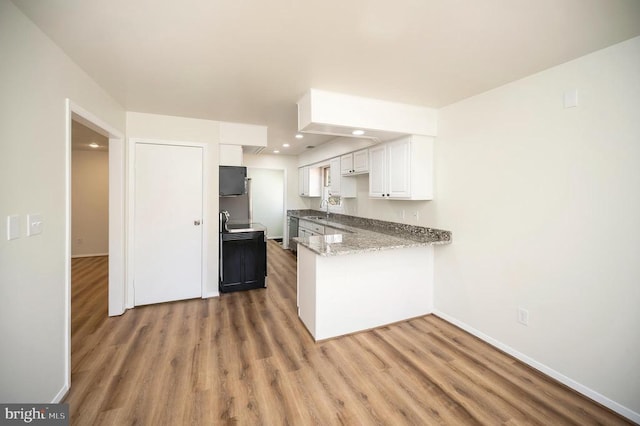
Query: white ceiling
(250, 60)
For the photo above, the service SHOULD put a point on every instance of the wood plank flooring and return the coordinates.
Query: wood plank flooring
(245, 358)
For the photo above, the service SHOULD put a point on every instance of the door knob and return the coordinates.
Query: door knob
(196, 222)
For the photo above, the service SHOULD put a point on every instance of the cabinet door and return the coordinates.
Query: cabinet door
(361, 161)
(346, 164)
(232, 263)
(399, 169)
(243, 263)
(335, 176)
(377, 170)
(303, 175)
(254, 262)
(313, 181)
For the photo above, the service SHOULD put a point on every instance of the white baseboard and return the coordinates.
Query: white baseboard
(89, 255)
(578, 387)
(210, 294)
(60, 395)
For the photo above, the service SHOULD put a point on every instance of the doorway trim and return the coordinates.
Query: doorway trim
(117, 266)
(130, 271)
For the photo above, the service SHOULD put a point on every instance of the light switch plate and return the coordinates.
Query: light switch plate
(34, 224)
(13, 227)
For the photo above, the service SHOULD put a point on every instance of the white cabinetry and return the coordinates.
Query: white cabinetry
(346, 164)
(335, 178)
(340, 185)
(361, 161)
(377, 171)
(308, 228)
(402, 169)
(332, 231)
(355, 163)
(309, 181)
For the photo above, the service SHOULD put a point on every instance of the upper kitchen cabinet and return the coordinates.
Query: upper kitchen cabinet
(340, 185)
(338, 114)
(309, 181)
(402, 169)
(355, 163)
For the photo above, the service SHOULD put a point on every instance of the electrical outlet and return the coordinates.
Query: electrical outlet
(416, 215)
(401, 214)
(523, 316)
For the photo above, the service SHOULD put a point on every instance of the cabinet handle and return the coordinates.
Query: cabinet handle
(196, 222)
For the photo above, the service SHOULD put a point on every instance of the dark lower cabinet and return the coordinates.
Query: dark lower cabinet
(243, 261)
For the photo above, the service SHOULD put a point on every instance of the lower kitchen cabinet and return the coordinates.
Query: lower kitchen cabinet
(243, 261)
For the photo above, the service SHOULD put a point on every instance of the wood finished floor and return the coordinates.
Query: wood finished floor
(245, 358)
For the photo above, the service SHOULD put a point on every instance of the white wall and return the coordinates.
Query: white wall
(544, 206)
(163, 127)
(35, 78)
(89, 203)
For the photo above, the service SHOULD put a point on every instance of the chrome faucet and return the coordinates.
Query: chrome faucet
(325, 201)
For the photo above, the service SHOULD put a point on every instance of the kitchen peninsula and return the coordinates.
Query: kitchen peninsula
(366, 273)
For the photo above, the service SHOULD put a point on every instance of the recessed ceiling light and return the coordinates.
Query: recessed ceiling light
(94, 145)
(276, 151)
(357, 132)
(286, 145)
(299, 136)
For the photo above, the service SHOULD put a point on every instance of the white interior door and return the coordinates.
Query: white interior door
(167, 223)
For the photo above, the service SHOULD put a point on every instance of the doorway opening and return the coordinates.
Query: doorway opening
(89, 232)
(102, 235)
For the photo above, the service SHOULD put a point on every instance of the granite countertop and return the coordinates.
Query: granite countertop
(239, 226)
(364, 235)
